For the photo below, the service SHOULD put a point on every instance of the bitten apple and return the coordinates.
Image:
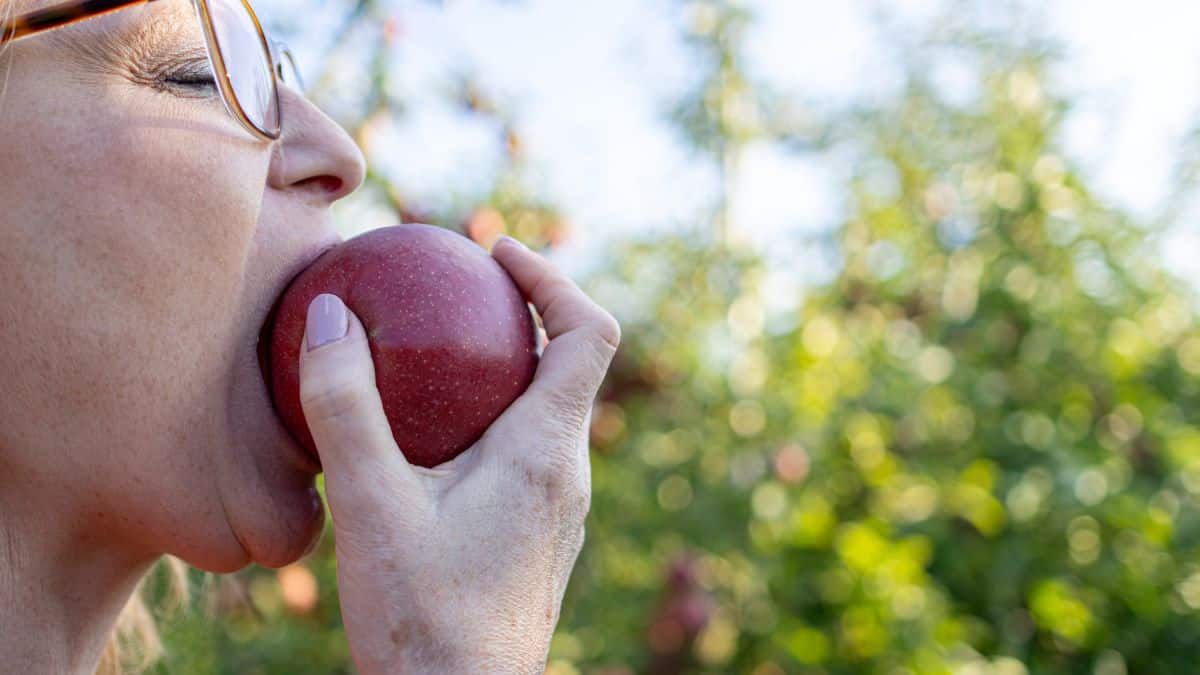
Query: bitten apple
(451, 337)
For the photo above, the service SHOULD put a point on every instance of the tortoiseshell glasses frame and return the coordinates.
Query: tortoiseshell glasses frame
(276, 56)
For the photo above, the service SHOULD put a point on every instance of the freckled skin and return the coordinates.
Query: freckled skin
(452, 339)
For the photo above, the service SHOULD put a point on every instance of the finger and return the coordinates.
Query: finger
(583, 337)
(562, 305)
(342, 406)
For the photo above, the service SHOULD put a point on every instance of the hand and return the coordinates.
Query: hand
(462, 568)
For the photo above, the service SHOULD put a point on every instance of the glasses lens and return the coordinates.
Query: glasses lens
(244, 50)
(289, 72)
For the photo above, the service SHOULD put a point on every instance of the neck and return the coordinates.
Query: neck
(62, 585)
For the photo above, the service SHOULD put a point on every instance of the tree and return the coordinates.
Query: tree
(974, 445)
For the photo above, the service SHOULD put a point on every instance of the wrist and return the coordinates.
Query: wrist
(422, 662)
(416, 650)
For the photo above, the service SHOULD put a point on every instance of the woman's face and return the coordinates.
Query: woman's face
(144, 235)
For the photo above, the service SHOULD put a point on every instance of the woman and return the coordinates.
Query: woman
(149, 219)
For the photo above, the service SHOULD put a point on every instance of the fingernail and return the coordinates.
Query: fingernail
(508, 238)
(327, 320)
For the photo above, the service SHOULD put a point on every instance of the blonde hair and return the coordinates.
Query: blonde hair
(6, 12)
(135, 644)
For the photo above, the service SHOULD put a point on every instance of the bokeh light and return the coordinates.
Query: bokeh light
(906, 384)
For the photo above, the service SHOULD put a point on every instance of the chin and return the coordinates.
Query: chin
(271, 530)
(290, 537)
(273, 508)
(268, 501)
(267, 482)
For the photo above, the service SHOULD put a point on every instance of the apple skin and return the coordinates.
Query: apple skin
(451, 337)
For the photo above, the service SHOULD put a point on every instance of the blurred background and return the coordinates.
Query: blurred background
(910, 374)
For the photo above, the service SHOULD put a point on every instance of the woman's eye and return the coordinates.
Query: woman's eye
(192, 79)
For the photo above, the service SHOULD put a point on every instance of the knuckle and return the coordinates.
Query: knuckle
(331, 399)
(556, 480)
(608, 329)
(546, 474)
(604, 336)
(553, 298)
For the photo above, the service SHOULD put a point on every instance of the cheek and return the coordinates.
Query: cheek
(122, 269)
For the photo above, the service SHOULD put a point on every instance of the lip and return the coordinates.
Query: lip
(280, 285)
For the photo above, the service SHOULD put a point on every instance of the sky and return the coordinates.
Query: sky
(588, 81)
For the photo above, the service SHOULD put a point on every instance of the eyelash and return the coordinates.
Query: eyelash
(190, 79)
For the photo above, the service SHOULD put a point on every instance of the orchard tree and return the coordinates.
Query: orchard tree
(970, 448)
(975, 448)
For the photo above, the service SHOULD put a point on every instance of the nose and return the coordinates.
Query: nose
(314, 157)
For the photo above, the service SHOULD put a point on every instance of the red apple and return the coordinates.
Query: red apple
(451, 337)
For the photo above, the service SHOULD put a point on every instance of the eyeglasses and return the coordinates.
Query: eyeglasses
(248, 67)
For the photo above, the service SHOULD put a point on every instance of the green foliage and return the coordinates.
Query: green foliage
(974, 447)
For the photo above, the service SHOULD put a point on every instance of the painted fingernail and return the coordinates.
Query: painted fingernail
(327, 320)
(505, 237)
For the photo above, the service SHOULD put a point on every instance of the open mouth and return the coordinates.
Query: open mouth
(311, 461)
(266, 337)
(265, 333)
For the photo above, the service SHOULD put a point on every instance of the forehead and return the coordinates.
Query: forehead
(133, 28)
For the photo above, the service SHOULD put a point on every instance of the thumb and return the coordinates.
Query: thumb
(343, 409)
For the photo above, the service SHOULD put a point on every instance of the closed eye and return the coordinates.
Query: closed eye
(191, 80)
(195, 78)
